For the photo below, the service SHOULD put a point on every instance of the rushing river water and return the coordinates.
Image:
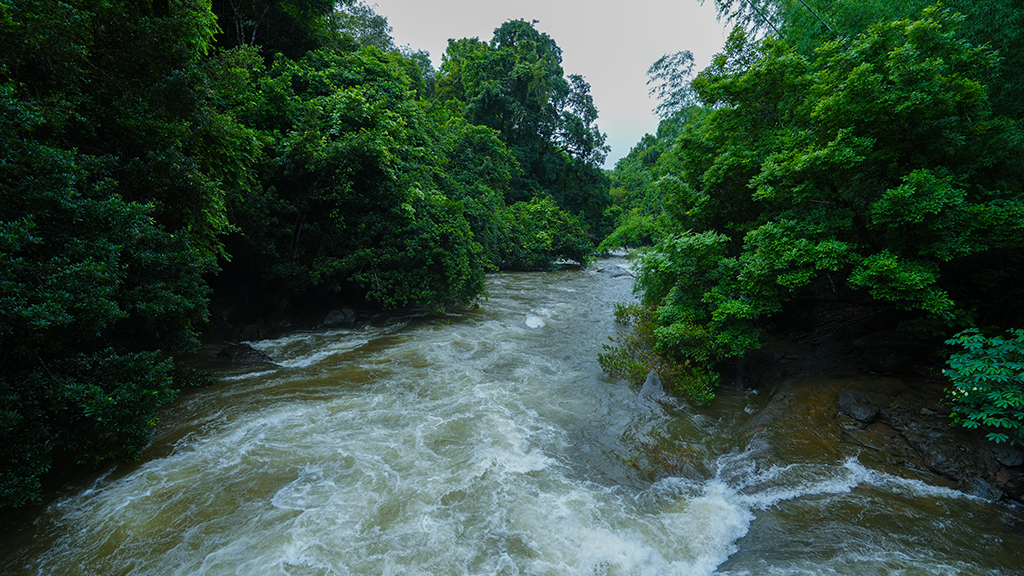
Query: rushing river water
(485, 442)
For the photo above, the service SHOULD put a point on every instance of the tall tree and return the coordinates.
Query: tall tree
(110, 208)
(876, 174)
(516, 85)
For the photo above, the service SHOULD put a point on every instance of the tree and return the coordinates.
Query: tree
(350, 200)
(988, 384)
(515, 85)
(875, 174)
(110, 209)
(289, 27)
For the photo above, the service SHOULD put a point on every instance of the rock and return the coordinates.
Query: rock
(342, 317)
(979, 488)
(1008, 455)
(245, 354)
(654, 390)
(861, 406)
(653, 387)
(616, 272)
(953, 456)
(890, 351)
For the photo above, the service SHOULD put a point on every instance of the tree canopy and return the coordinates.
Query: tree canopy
(515, 84)
(876, 171)
(155, 154)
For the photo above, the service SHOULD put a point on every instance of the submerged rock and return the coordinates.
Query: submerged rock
(245, 354)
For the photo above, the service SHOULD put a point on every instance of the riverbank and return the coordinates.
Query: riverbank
(831, 398)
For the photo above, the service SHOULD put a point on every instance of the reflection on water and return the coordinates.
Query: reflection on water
(487, 442)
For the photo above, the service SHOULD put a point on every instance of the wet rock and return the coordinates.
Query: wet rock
(950, 455)
(1008, 455)
(979, 488)
(340, 317)
(616, 272)
(890, 351)
(1012, 486)
(653, 388)
(859, 405)
(244, 354)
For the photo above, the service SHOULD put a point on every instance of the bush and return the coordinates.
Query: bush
(634, 355)
(988, 383)
(538, 233)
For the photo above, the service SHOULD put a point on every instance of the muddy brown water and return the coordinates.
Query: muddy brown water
(488, 441)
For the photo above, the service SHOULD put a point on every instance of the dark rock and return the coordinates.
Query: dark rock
(953, 456)
(342, 317)
(979, 488)
(244, 354)
(1008, 455)
(1014, 487)
(861, 406)
(890, 351)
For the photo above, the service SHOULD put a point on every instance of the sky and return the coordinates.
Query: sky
(610, 43)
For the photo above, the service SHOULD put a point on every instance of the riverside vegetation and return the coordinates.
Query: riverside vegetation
(156, 154)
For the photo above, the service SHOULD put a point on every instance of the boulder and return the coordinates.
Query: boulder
(1008, 455)
(979, 488)
(340, 317)
(861, 406)
(653, 388)
(616, 272)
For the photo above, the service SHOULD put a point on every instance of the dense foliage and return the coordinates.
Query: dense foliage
(515, 85)
(154, 153)
(988, 383)
(874, 171)
(108, 219)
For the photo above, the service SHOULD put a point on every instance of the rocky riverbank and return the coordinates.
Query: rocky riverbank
(835, 398)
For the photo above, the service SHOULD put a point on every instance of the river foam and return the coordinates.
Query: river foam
(475, 444)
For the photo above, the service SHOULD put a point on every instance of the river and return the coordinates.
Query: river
(488, 441)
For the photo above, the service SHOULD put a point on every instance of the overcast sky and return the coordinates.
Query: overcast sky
(610, 43)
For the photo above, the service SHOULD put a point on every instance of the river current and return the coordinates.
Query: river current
(488, 441)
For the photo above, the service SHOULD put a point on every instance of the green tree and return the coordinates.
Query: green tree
(289, 27)
(876, 174)
(537, 233)
(110, 206)
(351, 195)
(988, 384)
(516, 85)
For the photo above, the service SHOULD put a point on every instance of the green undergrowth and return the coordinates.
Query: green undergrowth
(633, 355)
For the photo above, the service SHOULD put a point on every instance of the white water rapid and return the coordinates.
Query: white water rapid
(486, 442)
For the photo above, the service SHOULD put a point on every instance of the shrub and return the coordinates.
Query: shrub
(988, 383)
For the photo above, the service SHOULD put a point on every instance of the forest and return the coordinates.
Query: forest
(839, 166)
(158, 154)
